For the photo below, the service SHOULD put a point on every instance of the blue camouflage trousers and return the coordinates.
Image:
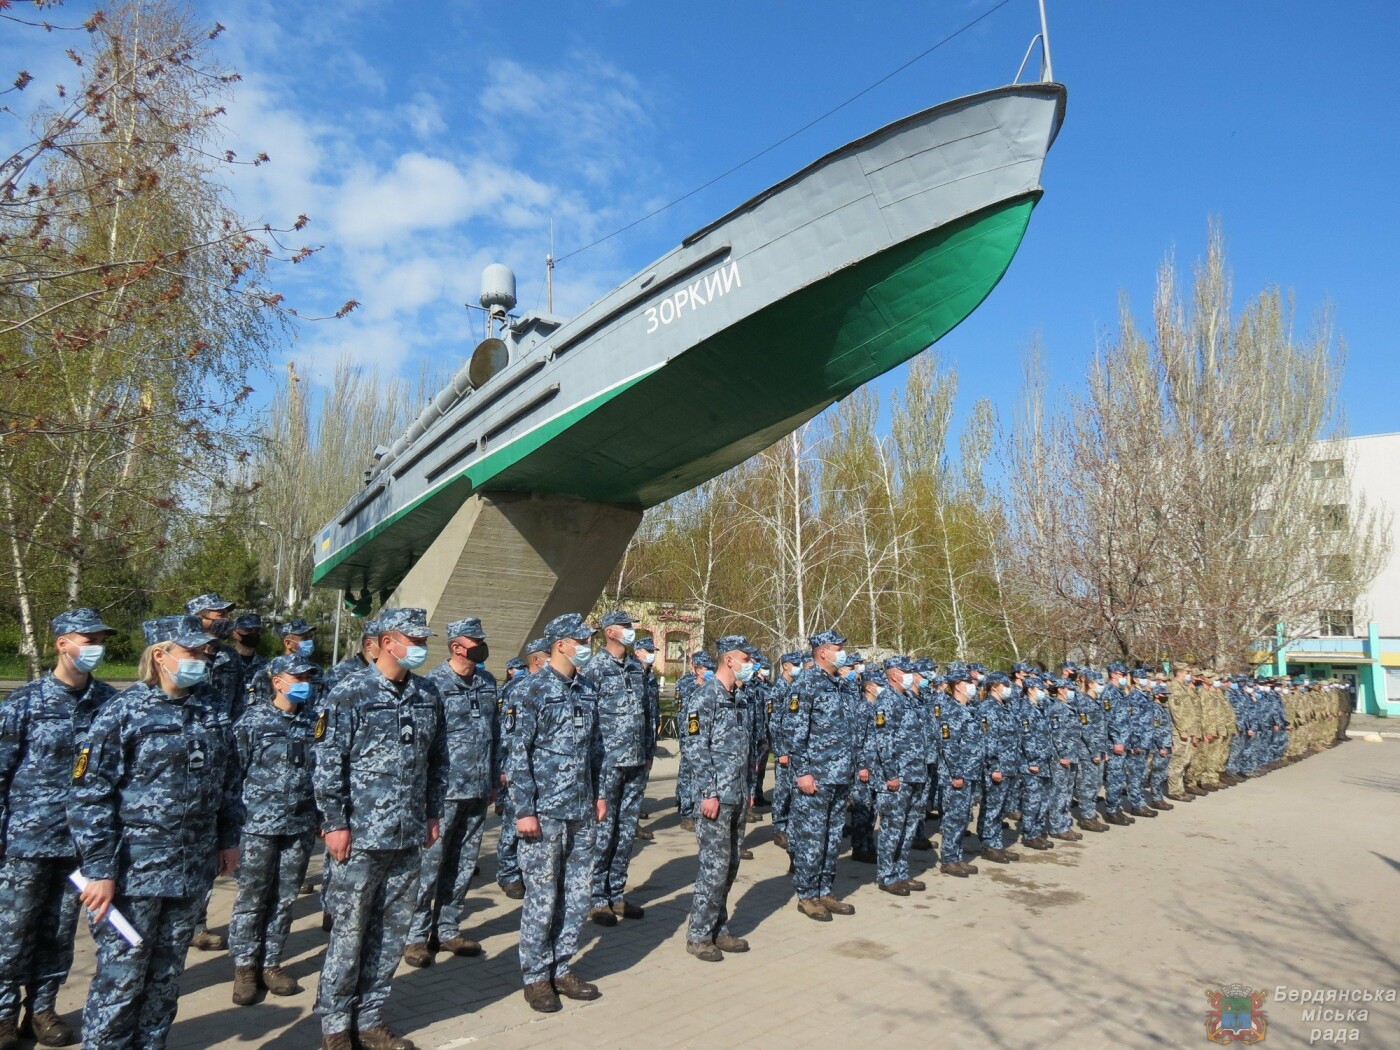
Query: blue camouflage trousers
(1035, 804)
(898, 827)
(507, 860)
(38, 918)
(1135, 769)
(132, 999)
(1088, 779)
(558, 871)
(370, 899)
(1157, 779)
(782, 796)
(863, 817)
(446, 874)
(994, 809)
(814, 838)
(1062, 779)
(685, 792)
(270, 871)
(957, 815)
(718, 840)
(1115, 781)
(615, 835)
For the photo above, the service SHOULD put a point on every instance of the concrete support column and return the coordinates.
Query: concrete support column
(516, 560)
(1370, 678)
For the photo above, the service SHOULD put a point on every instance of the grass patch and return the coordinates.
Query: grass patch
(14, 669)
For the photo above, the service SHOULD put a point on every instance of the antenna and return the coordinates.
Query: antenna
(1047, 74)
(549, 271)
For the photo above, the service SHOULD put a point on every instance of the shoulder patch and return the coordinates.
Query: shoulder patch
(321, 720)
(1025, 723)
(792, 704)
(1108, 705)
(80, 767)
(692, 724)
(879, 720)
(947, 731)
(1083, 719)
(985, 727)
(770, 707)
(937, 710)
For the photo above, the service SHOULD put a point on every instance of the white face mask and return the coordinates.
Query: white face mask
(647, 657)
(907, 680)
(629, 635)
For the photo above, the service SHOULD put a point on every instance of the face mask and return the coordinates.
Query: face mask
(646, 657)
(1004, 693)
(745, 671)
(306, 647)
(860, 668)
(413, 656)
(477, 652)
(1034, 694)
(299, 692)
(219, 628)
(708, 674)
(629, 635)
(838, 659)
(189, 673)
(581, 655)
(907, 680)
(252, 641)
(923, 682)
(763, 673)
(88, 657)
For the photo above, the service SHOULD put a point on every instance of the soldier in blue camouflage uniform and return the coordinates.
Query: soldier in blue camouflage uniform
(702, 670)
(381, 781)
(297, 639)
(469, 695)
(861, 717)
(555, 774)
(508, 875)
(818, 736)
(155, 811)
(1038, 761)
(1093, 727)
(1163, 740)
(1001, 729)
(1113, 701)
(247, 636)
(1140, 710)
(1066, 734)
(644, 653)
(898, 768)
(279, 827)
(930, 692)
(41, 723)
(961, 762)
(618, 683)
(755, 693)
(781, 696)
(720, 748)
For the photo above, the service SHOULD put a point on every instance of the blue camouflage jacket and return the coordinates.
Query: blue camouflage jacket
(381, 760)
(1037, 736)
(156, 793)
(651, 703)
(961, 745)
(898, 743)
(1118, 716)
(556, 754)
(229, 690)
(1001, 729)
(275, 754)
(818, 732)
(41, 725)
(718, 725)
(1067, 730)
(622, 715)
(1092, 725)
(469, 706)
(1163, 728)
(782, 695)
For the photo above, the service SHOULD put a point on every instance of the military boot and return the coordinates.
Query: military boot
(575, 987)
(1161, 805)
(48, 1029)
(812, 908)
(382, 1037)
(726, 942)
(915, 885)
(1037, 843)
(646, 834)
(1092, 825)
(996, 856)
(460, 945)
(305, 888)
(836, 907)
(210, 942)
(1117, 819)
(625, 909)
(1181, 798)
(603, 916)
(279, 982)
(781, 840)
(418, 954)
(245, 985)
(896, 888)
(863, 856)
(921, 843)
(9, 1034)
(1067, 836)
(955, 869)
(750, 817)
(326, 923)
(705, 951)
(515, 889)
(687, 824)
(542, 997)
(1197, 790)
(745, 853)
(1143, 811)
(337, 1041)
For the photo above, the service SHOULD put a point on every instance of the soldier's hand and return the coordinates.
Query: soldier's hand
(97, 897)
(957, 783)
(1098, 759)
(338, 844)
(709, 809)
(1034, 769)
(1249, 732)
(434, 831)
(1209, 737)
(503, 780)
(649, 762)
(864, 775)
(1117, 749)
(782, 760)
(807, 784)
(527, 827)
(601, 808)
(1065, 762)
(893, 785)
(1162, 751)
(996, 776)
(228, 861)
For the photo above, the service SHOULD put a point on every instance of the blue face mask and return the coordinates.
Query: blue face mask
(580, 656)
(299, 692)
(189, 673)
(414, 656)
(839, 658)
(745, 672)
(306, 647)
(88, 657)
(708, 674)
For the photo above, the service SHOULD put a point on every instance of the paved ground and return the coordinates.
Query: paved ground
(1289, 880)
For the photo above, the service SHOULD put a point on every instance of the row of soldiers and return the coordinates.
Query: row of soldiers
(220, 762)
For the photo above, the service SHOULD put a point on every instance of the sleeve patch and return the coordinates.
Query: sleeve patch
(879, 720)
(80, 767)
(692, 724)
(985, 727)
(947, 732)
(792, 704)
(321, 724)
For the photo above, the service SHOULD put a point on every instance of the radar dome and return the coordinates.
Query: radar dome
(497, 288)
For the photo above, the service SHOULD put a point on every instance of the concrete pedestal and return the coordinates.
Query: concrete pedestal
(517, 561)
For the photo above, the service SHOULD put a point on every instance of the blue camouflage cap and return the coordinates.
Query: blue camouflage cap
(1085, 675)
(468, 628)
(872, 678)
(370, 627)
(538, 645)
(247, 622)
(617, 618)
(953, 677)
(1141, 673)
(1056, 682)
(898, 663)
(409, 621)
(297, 627)
(182, 630)
(926, 666)
(997, 678)
(703, 659)
(730, 642)
(515, 664)
(289, 663)
(1117, 667)
(1069, 665)
(570, 625)
(648, 643)
(856, 658)
(210, 602)
(1033, 681)
(791, 658)
(1021, 667)
(957, 667)
(79, 621)
(825, 638)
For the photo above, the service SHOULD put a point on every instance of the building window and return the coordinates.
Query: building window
(1323, 469)
(1337, 623)
(1333, 517)
(1392, 683)
(1336, 567)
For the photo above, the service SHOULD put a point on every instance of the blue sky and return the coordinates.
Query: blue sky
(426, 139)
